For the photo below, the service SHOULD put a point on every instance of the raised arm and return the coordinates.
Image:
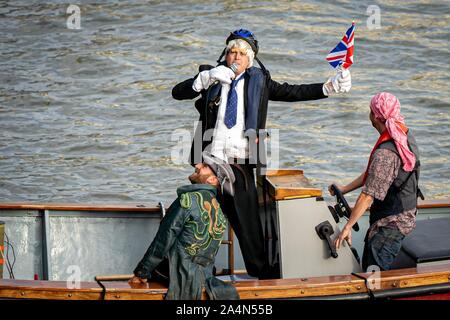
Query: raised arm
(339, 83)
(184, 91)
(292, 92)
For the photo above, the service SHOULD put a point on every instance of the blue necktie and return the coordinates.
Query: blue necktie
(231, 110)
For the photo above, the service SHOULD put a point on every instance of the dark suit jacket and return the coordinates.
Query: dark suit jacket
(207, 104)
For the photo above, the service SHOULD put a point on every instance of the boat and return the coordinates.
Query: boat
(323, 274)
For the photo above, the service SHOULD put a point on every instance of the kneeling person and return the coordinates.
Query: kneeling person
(190, 235)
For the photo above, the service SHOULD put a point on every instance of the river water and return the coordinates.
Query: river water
(87, 115)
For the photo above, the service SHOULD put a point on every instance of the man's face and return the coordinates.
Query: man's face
(238, 56)
(201, 174)
(372, 119)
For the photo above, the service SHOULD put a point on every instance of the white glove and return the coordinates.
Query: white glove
(222, 74)
(340, 83)
(206, 78)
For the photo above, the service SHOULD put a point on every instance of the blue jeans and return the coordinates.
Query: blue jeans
(382, 248)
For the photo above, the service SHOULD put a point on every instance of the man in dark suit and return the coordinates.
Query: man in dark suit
(233, 102)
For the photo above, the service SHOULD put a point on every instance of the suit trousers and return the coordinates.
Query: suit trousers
(243, 214)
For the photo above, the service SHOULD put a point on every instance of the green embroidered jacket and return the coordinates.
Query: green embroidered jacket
(189, 236)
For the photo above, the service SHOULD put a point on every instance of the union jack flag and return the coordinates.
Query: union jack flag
(342, 54)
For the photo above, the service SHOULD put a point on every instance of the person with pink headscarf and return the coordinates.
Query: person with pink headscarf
(389, 186)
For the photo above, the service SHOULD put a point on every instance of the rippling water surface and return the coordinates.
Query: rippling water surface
(87, 115)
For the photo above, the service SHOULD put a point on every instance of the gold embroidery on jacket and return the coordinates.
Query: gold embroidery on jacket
(212, 223)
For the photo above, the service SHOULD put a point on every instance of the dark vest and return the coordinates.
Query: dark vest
(402, 194)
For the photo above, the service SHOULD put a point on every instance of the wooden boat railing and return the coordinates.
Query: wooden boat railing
(403, 283)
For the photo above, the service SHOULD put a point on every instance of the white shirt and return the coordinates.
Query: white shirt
(231, 143)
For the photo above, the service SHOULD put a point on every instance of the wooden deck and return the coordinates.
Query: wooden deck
(315, 287)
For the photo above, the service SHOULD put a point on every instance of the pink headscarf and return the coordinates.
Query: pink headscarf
(386, 108)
